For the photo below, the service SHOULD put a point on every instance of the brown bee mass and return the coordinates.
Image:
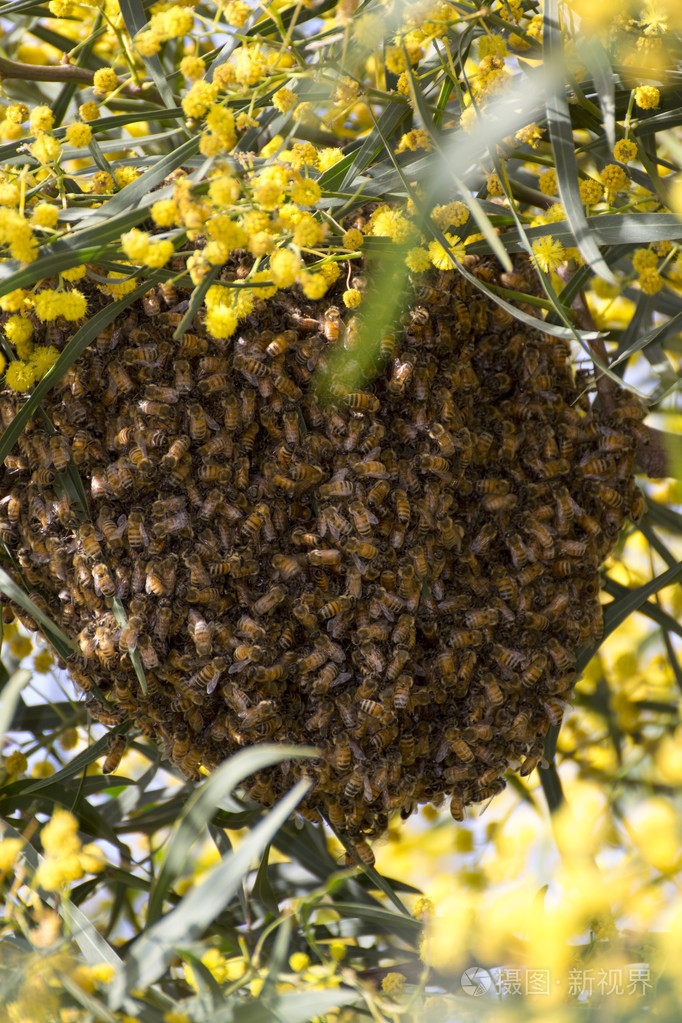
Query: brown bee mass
(399, 575)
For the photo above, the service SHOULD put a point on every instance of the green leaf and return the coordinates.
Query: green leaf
(9, 698)
(597, 62)
(135, 21)
(201, 808)
(150, 955)
(560, 132)
(59, 640)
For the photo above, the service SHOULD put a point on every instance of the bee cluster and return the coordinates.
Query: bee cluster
(399, 576)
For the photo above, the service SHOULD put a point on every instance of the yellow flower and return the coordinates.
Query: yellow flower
(9, 193)
(43, 359)
(235, 12)
(647, 97)
(337, 950)
(352, 298)
(423, 908)
(78, 134)
(299, 961)
(441, 258)
(413, 140)
(650, 281)
(643, 259)
(284, 265)
(92, 859)
(352, 239)
(104, 81)
(45, 215)
(198, 99)
(223, 191)
(75, 273)
(314, 286)
(455, 213)
(20, 376)
(393, 984)
(548, 252)
(591, 191)
(307, 232)
(88, 111)
(614, 179)
(126, 175)
(192, 68)
(625, 150)
(164, 212)
(41, 120)
(68, 740)
(547, 182)
(9, 850)
(17, 113)
(306, 192)
(10, 131)
(60, 835)
(16, 763)
(284, 100)
(417, 260)
(531, 135)
(45, 148)
(18, 329)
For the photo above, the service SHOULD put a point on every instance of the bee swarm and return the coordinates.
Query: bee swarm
(400, 576)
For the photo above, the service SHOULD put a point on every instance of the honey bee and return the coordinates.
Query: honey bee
(254, 523)
(60, 452)
(362, 400)
(130, 633)
(154, 583)
(88, 538)
(115, 754)
(250, 368)
(103, 583)
(270, 600)
(198, 422)
(336, 488)
(331, 323)
(178, 448)
(324, 556)
(315, 659)
(370, 470)
(334, 607)
(120, 377)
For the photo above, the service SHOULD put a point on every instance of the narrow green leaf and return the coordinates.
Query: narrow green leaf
(648, 608)
(621, 608)
(597, 62)
(9, 698)
(560, 132)
(122, 621)
(135, 21)
(149, 957)
(60, 641)
(201, 808)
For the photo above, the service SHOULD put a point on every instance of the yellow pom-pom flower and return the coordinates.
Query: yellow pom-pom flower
(647, 97)
(16, 763)
(306, 192)
(45, 215)
(650, 281)
(20, 376)
(352, 298)
(104, 81)
(549, 253)
(625, 150)
(88, 111)
(41, 120)
(590, 190)
(79, 134)
(547, 182)
(417, 260)
(614, 179)
(18, 329)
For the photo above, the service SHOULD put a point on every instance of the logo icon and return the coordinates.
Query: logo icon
(476, 981)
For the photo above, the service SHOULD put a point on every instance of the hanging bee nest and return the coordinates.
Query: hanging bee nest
(400, 576)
